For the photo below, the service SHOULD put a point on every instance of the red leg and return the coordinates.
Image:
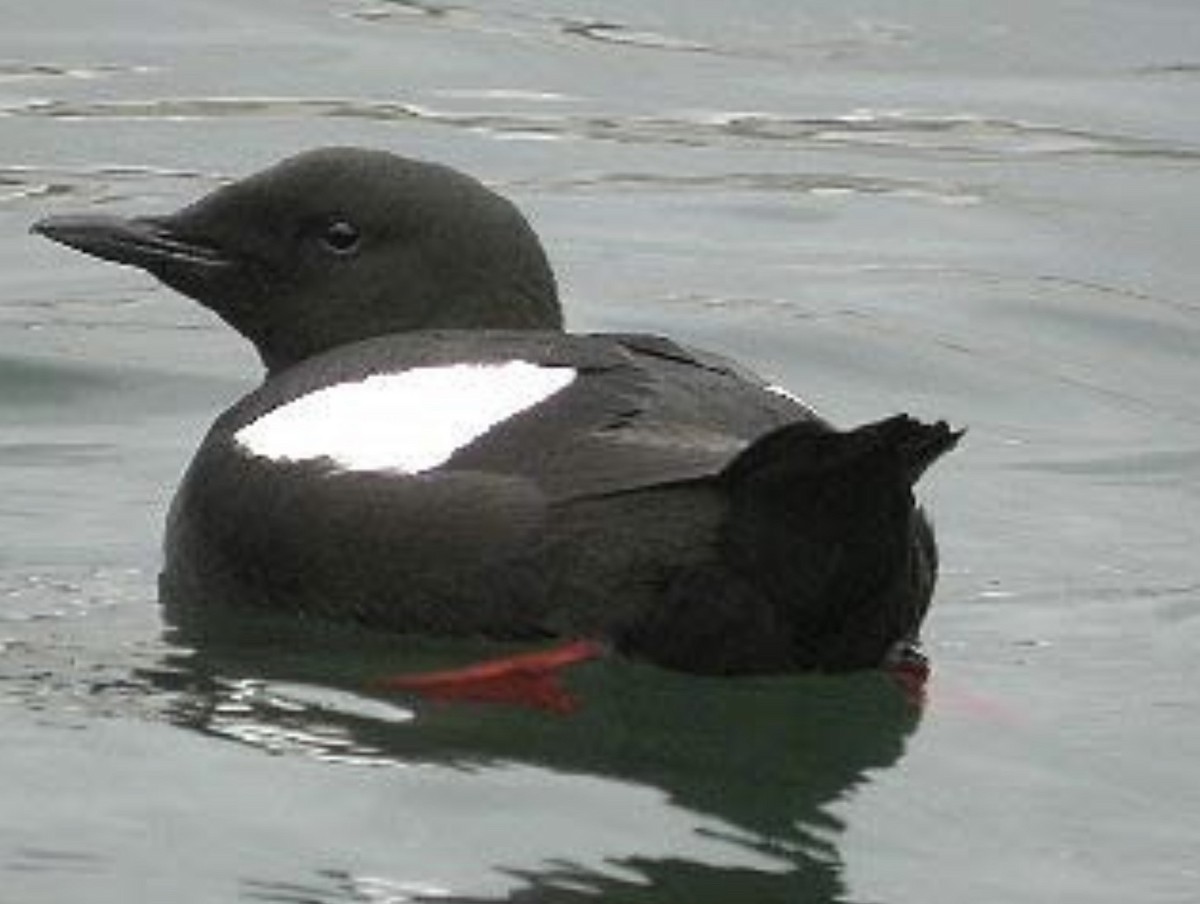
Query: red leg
(526, 679)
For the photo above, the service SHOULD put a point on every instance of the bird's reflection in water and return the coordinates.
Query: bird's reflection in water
(763, 757)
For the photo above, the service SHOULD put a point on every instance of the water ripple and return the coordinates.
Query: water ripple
(957, 134)
(856, 38)
(1143, 466)
(55, 861)
(95, 184)
(288, 718)
(616, 33)
(11, 71)
(818, 184)
(601, 31)
(1169, 69)
(390, 8)
(70, 639)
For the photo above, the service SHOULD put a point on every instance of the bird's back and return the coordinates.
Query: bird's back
(567, 517)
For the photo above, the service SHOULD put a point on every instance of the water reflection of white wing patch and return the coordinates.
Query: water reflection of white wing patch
(407, 422)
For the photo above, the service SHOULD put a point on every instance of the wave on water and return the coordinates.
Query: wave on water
(22, 71)
(960, 135)
(103, 183)
(855, 38)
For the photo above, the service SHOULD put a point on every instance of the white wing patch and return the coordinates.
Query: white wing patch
(405, 422)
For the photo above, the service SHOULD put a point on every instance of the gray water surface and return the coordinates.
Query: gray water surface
(982, 212)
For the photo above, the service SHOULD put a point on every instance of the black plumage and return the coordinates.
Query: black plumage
(667, 500)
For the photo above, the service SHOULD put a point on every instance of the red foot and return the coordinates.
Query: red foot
(912, 680)
(909, 667)
(527, 679)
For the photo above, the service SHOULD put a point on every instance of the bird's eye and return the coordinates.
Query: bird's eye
(341, 237)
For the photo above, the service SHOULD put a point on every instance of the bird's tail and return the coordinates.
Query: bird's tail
(901, 444)
(826, 521)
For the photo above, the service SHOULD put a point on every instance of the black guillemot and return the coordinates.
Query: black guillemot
(430, 453)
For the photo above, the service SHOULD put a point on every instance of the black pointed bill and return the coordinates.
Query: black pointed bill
(145, 242)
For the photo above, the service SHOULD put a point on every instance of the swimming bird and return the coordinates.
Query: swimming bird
(431, 453)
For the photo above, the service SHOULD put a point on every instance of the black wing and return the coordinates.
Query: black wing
(641, 411)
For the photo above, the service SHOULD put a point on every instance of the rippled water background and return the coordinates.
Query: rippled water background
(985, 212)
